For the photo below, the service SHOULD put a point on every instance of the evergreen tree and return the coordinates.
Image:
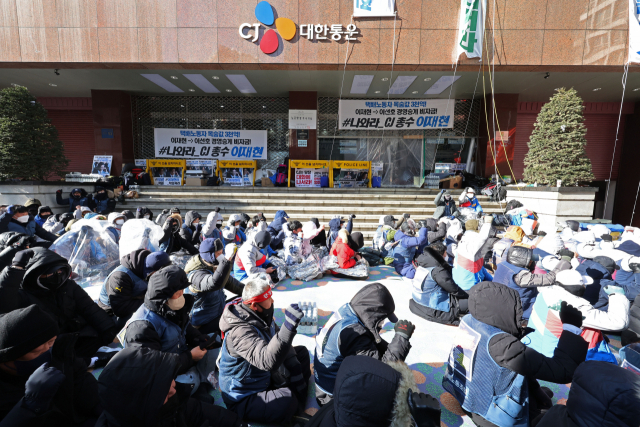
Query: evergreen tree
(29, 144)
(557, 143)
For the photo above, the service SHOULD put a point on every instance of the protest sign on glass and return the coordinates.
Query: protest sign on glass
(210, 144)
(396, 114)
(166, 172)
(200, 168)
(350, 173)
(237, 173)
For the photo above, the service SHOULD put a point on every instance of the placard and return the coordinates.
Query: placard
(210, 144)
(311, 178)
(102, 165)
(237, 173)
(200, 168)
(396, 114)
(166, 172)
(377, 168)
(350, 174)
(303, 119)
(470, 33)
(141, 163)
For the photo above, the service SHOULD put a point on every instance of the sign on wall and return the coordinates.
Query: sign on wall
(396, 114)
(166, 172)
(634, 31)
(470, 28)
(102, 165)
(303, 119)
(210, 144)
(237, 173)
(373, 8)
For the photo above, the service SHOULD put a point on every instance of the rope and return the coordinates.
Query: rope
(634, 205)
(344, 71)
(393, 62)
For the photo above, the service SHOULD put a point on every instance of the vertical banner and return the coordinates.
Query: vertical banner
(634, 31)
(470, 28)
(373, 8)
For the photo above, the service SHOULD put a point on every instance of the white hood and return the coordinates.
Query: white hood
(210, 224)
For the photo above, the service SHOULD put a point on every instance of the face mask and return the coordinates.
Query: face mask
(25, 369)
(176, 304)
(577, 290)
(447, 198)
(147, 216)
(54, 281)
(219, 224)
(33, 212)
(120, 221)
(266, 315)
(45, 217)
(76, 196)
(23, 219)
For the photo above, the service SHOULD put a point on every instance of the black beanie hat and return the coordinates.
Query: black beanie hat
(23, 330)
(358, 239)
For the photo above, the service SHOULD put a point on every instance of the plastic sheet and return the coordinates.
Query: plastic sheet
(92, 254)
(401, 158)
(307, 270)
(140, 234)
(180, 260)
(467, 213)
(360, 270)
(281, 265)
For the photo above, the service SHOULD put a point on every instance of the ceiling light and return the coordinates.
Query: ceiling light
(597, 89)
(174, 77)
(377, 91)
(439, 86)
(414, 92)
(385, 79)
(229, 90)
(361, 83)
(215, 78)
(53, 84)
(182, 106)
(241, 82)
(636, 89)
(202, 83)
(264, 106)
(401, 84)
(222, 106)
(162, 82)
(428, 79)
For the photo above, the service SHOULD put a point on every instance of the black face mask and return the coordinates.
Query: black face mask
(25, 369)
(45, 217)
(76, 197)
(266, 315)
(101, 196)
(33, 212)
(54, 281)
(577, 290)
(219, 226)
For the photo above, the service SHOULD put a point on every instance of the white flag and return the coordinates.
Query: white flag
(373, 8)
(634, 31)
(470, 28)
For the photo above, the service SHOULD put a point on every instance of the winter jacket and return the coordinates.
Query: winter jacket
(438, 280)
(207, 284)
(309, 232)
(472, 204)
(123, 290)
(76, 400)
(160, 219)
(142, 212)
(468, 265)
(368, 393)
(275, 228)
(210, 229)
(134, 385)
(601, 395)
(249, 260)
(70, 305)
(12, 243)
(72, 202)
(344, 253)
(634, 321)
(505, 274)
(444, 208)
(598, 273)
(189, 231)
(353, 330)
(292, 246)
(172, 242)
(31, 228)
(502, 365)
(251, 350)
(172, 332)
(438, 231)
(53, 225)
(103, 204)
(334, 228)
(405, 252)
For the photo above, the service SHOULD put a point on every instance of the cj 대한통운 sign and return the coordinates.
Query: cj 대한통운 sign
(396, 114)
(210, 144)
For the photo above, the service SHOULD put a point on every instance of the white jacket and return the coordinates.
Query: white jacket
(249, 255)
(292, 246)
(309, 232)
(210, 223)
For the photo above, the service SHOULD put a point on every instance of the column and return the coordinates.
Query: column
(300, 100)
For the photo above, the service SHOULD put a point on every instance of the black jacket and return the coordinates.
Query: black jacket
(441, 273)
(75, 401)
(437, 231)
(190, 232)
(207, 278)
(119, 286)
(142, 211)
(70, 305)
(601, 395)
(11, 243)
(134, 385)
(634, 317)
(162, 285)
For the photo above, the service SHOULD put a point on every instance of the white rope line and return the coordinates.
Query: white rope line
(344, 71)
(393, 62)
(634, 205)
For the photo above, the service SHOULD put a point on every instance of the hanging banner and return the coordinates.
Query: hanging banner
(396, 114)
(373, 8)
(211, 144)
(166, 172)
(237, 173)
(634, 31)
(470, 28)
(303, 119)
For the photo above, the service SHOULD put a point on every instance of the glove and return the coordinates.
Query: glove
(488, 219)
(406, 216)
(165, 211)
(606, 238)
(570, 315)
(352, 216)
(566, 254)
(425, 410)
(230, 250)
(216, 210)
(41, 387)
(610, 290)
(21, 259)
(292, 316)
(542, 233)
(169, 224)
(404, 328)
(11, 210)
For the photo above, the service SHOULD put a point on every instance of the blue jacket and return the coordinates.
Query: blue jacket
(275, 228)
(83, 200)
(427, 292)
(466, 279)
(597, 272)
(173, 338)
(474, 204)
(139, 285)
(31, 228)
(404, 253)
(504, 274)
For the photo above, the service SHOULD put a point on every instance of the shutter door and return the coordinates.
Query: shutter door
(524, 128)
(75, 130)
(601, 135)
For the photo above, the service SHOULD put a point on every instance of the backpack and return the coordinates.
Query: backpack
(513, 204)
(144, 179)
(213, 181)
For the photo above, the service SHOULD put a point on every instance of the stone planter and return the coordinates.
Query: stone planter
(553, 204)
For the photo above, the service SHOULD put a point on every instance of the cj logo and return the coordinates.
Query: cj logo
(269, 43)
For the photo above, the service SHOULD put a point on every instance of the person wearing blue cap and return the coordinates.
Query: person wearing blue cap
(209, 273)
(123, 290)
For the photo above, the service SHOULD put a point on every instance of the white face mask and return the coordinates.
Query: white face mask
(23, 219)
(176, 304)
(120, 221)
(147, 216)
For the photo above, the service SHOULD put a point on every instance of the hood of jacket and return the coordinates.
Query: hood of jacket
(210, 223)
(281, 214)
(135, 261)
(603, 394)
(142, 211)
(430, 258)
(630, 247)
(42, 261)
(372, 304)
(497, 305)
(334, 224)
(162, 285)
(135, 383)
(113, 216)
(9, 238)
(191, 216)
(237, 315)
(514, 233)
(370, 393)
(196, 263)
(82, 192)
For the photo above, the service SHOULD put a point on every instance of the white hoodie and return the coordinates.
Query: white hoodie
(210, 224)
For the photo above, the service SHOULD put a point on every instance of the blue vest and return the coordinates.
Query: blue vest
(501, 249)
(403, 255)
(327, 357)
(83, 201)
(29, 228)
(172, 338)
(101, 205)
(497, 394)
(207, 305)
(427, 292)
(504, 274)
(238, 377)
(139, 285)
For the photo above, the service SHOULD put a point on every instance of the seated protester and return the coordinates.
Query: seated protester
(468, 199)
(407, 248)
(160, 219)
(504, 369)
(124, 288)
(145, 213)
(632, 334)
(486, 251)
(162, 323)
(513, 236)
(116, 221)
(356, 241)
(627, 278)
(257, 224)
(128, 214)
(212, 226)
(234, 221)
(292, 242)
(445, 205)
(468, 265)
(138, 388)
(517, 273)
(104, 201)
(347, 257)
(251, 258)
(310, 230)
(275, 229)
(256, 355)
(572, 227)
(42, 382)
(17, 219)
(172, 241)
(56, 223)
(209, 274)
(436, 232)
(435, 296)
(335, 225)
(77, 197)
(44, 212)
(598, 268)
(454, 235)
(380, 241)
(42, 277)
(33, 205)
(371, 393)
(10, 244)
(321, 239)
(601, 395)
(192, 228)
(568, 288)
(244, 223)
(355, 330)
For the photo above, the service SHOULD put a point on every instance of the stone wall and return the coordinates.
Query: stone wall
(12, 194)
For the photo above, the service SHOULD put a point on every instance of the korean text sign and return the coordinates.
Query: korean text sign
(211, 144)
(396, 114)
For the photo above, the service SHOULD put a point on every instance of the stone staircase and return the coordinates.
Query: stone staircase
(302, 204)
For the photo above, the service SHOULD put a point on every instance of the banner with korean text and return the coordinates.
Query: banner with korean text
(396, 114)
(470, 29)
(211, 144)
(309, 173)
(166, 172)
